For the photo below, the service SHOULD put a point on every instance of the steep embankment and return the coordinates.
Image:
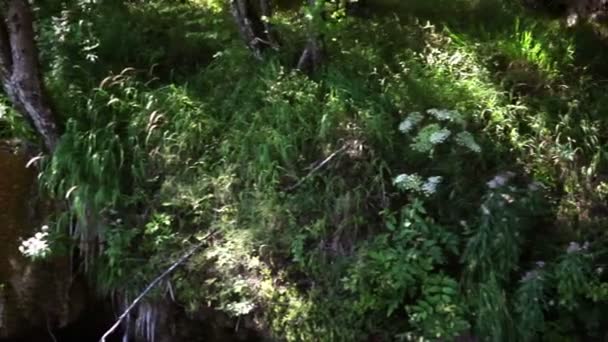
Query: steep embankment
(33, 295)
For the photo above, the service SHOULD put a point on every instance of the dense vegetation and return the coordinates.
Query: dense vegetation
(442, 174)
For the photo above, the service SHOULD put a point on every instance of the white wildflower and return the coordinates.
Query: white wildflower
(36, 246)
(530, 275)
(408, 182)
(430, 186)
(439, 136)
(439, 114)
(496, 182)
(508, 198)
(410, 122)
(466, 139)
(445, 114)
(485, 209)
(535, 186)
(241, 308)
(572, 19)
(573, 247)
(500, 180)
(406, 125)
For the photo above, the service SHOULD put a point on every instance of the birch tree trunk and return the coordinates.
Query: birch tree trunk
(20, 71)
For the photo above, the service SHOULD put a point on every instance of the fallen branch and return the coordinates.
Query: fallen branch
(154, 283)
(318, 167)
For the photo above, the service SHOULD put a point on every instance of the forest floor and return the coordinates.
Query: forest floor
(445, 172)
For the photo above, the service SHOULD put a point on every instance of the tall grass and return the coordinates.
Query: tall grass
(197, 135)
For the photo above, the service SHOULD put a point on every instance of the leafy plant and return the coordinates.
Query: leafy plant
(440, 312)
(398, 266)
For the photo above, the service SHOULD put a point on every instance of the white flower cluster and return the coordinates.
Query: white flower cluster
(241, 308)
(408, 182)
(430, 186)
(530, 275)
(3, 110)
(500, 180)
(415, 183)
(533, 274)
(445, 115)
(36, 246)
(430, 136)
(575, 247)
(440, 136)
(410, 122)
(466, 139)
(434, 134)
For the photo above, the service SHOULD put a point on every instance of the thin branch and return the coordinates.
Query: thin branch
(304, 59)
(318, 167)
(155, 282)
(50, 331)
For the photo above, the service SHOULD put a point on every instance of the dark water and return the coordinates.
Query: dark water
(16, 221)
(89, 328)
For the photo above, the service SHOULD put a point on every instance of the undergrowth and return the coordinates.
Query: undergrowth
(465, 168)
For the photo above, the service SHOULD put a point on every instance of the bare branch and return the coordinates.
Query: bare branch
(318, 167)
(155, 282)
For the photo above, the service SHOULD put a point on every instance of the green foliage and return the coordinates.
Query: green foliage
(100, 159)
(398, 266)
(490, 304)
(341, 216)
(529, 44)
(118, 262)
(13, 125)
(494, 247)
(573, 275)
(493, 254)
(530, 303)
(440, 312)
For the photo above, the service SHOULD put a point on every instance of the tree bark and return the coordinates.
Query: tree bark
(269, 32)
(20, 71)
(313, 55)
(254, 27)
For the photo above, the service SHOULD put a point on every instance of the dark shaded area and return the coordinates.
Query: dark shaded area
(89, 327)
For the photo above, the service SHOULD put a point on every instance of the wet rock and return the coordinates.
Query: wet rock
(34, 295)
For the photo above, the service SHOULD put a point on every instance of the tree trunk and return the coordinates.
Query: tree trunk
(20, 71)
(313, 55)
(253, 26)
(269, 32)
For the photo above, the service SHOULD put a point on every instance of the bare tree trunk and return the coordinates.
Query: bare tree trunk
(20, 71)
(254, 28)
(313, 55)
